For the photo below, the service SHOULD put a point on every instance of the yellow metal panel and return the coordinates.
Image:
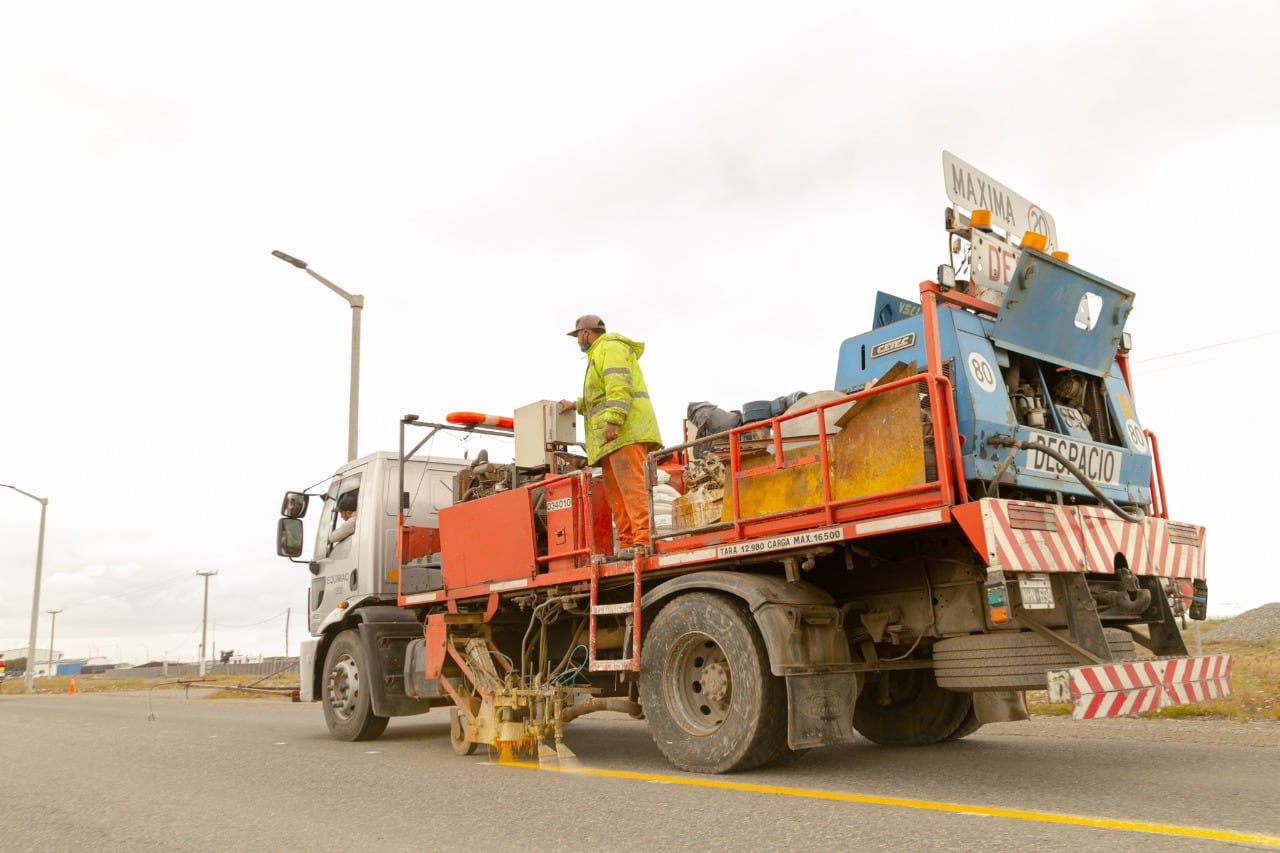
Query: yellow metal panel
(879, 448)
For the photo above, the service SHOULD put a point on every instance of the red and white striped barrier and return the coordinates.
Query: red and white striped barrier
(1132, 687)
(1023, 536)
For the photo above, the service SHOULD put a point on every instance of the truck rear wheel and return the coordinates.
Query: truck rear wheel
(910, 709)
(348, 706)
(712, 704)
(967, 726)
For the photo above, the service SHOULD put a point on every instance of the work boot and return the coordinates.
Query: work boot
(625, 554)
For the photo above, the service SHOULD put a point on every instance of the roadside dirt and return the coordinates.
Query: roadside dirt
(1264, 733)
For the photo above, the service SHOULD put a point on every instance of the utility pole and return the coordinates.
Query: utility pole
(204, 623)
(288, 611)
(53, 670)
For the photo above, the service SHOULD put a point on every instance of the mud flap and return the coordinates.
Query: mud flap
(385, 644)
(1000, 706)
(820, 708)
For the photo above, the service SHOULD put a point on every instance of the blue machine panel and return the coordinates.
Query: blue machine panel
(977, 351)
(890, 309)
(1056, 312)
(868, 356)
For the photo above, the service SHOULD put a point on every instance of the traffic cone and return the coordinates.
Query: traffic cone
(71, 690)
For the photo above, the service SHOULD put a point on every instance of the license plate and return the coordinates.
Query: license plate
(1037, 593)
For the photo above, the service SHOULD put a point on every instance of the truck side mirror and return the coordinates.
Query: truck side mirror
(294, 505)
(289, 537)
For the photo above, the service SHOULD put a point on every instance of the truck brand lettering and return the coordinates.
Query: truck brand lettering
(1100, 464)
(891, 346)
(777, 543)
(559, 503)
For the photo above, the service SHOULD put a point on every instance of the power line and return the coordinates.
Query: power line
(1205, 347)
(131, 593)
(256, 624)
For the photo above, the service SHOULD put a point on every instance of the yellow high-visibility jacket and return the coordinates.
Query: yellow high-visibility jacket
(613, 392)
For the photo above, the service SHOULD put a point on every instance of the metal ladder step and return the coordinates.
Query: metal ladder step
(626, 608)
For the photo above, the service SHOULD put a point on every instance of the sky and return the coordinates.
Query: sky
(730, 183)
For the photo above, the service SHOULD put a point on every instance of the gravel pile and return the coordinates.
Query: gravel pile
(1260, 623)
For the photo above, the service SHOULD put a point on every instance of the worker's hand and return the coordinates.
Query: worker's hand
(610, 432)
(567, 406)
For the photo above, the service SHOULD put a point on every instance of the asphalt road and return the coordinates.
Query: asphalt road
(94, 772)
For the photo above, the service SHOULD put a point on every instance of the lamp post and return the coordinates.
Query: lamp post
(53, 623)
(357, 303)
(29, 676)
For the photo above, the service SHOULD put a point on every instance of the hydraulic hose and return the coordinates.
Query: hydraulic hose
(1006, 441)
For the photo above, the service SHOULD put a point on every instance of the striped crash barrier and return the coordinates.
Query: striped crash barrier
(1133, 687)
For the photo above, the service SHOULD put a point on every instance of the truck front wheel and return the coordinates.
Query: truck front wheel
(712, 704)
(348, 707)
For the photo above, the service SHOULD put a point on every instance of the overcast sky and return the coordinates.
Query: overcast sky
(730, 183)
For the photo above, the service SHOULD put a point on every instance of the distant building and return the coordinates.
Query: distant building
(45, 661)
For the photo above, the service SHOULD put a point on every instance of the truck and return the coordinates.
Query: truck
(972, 511)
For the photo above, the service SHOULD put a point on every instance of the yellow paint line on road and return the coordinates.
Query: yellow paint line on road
(926, 805)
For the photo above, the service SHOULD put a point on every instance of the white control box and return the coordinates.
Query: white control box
(540, 426)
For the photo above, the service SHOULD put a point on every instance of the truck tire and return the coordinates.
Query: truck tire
(1011, 660)
(912, 710)
(348, 707)
(712, 704)
(967, 726)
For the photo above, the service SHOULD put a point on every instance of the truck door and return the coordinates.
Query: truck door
(343, 546)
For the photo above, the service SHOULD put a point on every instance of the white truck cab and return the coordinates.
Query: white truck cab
(360, 568)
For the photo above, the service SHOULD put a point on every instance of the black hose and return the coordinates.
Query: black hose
(1005, 441)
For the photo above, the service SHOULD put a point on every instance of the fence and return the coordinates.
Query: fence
(265, 667)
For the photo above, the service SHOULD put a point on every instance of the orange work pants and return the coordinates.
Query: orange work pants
(624, 490)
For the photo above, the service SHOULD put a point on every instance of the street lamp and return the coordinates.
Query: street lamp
(29, 677)
(357, 303)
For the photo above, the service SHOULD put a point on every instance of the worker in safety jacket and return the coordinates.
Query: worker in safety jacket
(620, 426)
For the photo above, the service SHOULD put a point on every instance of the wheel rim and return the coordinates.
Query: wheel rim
(698, 685)
(344, 687)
